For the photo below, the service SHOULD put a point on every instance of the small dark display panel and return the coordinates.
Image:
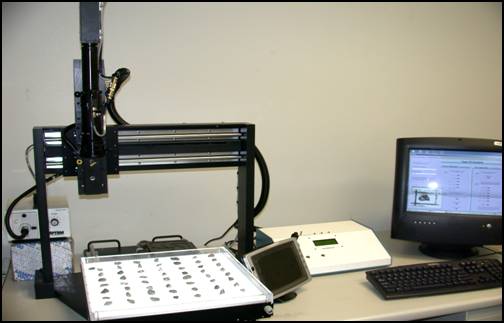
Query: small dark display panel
(280, 267)
(325, 242)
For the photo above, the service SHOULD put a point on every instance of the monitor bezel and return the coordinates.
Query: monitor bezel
(251, 261)
(450, 229)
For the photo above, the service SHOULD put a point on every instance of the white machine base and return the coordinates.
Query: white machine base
(332, 247)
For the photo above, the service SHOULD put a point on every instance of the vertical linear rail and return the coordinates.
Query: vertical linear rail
(92, 168)
(44, 285)
(92, 145)
(90, 16)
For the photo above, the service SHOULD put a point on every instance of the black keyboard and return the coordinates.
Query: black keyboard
(436, 278)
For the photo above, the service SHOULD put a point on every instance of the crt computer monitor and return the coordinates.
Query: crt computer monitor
(448, 194)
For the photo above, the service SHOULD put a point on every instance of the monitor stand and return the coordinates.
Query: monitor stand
(447, 251)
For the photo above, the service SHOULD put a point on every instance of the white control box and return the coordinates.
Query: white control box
(332, 247)
(25, 216)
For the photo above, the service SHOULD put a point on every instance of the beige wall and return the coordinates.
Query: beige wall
(329, 86)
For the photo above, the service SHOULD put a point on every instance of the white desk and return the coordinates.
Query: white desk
(345, 296)
(349, 296)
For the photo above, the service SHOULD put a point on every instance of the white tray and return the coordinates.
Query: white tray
(169, 282)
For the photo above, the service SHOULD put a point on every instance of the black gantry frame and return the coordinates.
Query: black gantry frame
(149, 147)
(91, 151)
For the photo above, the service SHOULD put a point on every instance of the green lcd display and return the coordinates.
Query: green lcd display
(324, 242)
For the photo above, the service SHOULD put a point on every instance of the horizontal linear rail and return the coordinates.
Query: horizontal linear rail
(139, 147)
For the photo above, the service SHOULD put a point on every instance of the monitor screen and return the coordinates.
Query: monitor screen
(454, 181)
(448, 194)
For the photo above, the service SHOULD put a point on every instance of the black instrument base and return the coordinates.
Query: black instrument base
(70, 290)
(448, 252)
(285, 298)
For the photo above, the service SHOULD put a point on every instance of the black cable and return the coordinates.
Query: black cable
(492, 252)
(223, 235)
(122, 75)
(263, 198)
(118, 78)
(24, 233)
(27, 151)
(265, 184)
(114, 114)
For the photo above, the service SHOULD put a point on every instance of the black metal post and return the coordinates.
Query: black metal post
(246, 196)
(44, 285)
